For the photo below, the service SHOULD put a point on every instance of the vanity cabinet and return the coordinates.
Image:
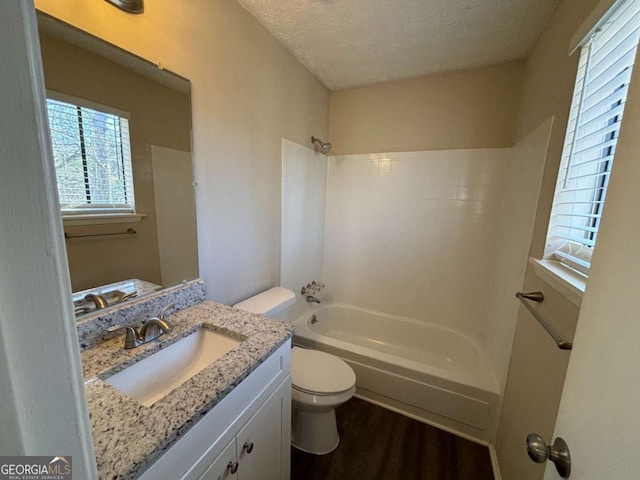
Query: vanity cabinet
(246, 436)
(255, 452)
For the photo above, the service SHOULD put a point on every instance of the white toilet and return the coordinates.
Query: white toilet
(320, 382)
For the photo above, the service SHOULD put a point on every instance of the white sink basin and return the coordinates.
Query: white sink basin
(154, 377)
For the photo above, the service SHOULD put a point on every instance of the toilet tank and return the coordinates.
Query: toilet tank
(268, 303)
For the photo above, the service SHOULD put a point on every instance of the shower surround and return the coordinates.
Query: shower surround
(437, 236)
(414, 234)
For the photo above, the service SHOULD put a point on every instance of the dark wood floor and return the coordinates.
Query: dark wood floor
(376, 443)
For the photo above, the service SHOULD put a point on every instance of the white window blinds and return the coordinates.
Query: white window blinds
(604, 73)
(92, 158)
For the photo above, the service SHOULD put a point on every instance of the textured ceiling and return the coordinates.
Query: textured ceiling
(348, 43)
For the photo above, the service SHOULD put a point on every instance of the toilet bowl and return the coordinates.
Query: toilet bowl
(320, 382)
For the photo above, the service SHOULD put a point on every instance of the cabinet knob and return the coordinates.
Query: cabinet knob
(248, 447)
(232, 467)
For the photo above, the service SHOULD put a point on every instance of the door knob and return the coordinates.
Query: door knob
(558, 453)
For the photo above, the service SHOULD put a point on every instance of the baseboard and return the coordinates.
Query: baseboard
(367, 397)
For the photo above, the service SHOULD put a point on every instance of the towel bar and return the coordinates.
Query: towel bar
(538, 297)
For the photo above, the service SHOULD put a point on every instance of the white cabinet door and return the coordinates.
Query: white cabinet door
(260, 442)
(225, 465)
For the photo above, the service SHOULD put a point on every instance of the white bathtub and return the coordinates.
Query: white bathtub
(420, 369)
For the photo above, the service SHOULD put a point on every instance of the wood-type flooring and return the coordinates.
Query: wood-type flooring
(378, 444)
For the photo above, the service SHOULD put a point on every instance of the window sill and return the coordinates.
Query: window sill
(569, 283)
(101, 219)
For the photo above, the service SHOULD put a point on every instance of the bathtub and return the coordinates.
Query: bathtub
(420, 369)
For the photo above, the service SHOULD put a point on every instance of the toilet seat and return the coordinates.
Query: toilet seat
(320, 373)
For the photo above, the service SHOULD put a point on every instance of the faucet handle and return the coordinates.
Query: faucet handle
(131, 339)
(162, 314)
(127, 296)
(312, 288)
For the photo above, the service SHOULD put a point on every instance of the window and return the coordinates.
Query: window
(92, 157)
(604, 73)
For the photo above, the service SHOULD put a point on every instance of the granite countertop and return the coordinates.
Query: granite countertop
(127, 436)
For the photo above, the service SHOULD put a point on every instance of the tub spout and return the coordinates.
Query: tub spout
(312, 299)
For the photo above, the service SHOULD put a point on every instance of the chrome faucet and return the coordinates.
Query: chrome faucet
(99, 301)
(312, 288)
(153, 328)
(150, 329)
(310, 291)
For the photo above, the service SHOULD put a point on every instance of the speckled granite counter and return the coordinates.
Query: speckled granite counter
(129, 437)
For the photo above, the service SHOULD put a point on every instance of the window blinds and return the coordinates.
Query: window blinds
(604, 73)
(92, 156)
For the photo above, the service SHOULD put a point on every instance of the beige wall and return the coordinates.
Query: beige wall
(467, 109)
(538, 367)
(159, 116)
(248, 92)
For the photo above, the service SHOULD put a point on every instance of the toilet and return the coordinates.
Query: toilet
(320, 382)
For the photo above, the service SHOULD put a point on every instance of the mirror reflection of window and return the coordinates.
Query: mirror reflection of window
(133, 121)
(92, 156)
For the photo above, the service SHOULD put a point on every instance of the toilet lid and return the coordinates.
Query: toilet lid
(319, 372)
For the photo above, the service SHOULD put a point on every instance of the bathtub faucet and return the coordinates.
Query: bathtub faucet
(312, 288)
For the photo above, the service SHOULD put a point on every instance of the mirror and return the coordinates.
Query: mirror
(122, 255)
